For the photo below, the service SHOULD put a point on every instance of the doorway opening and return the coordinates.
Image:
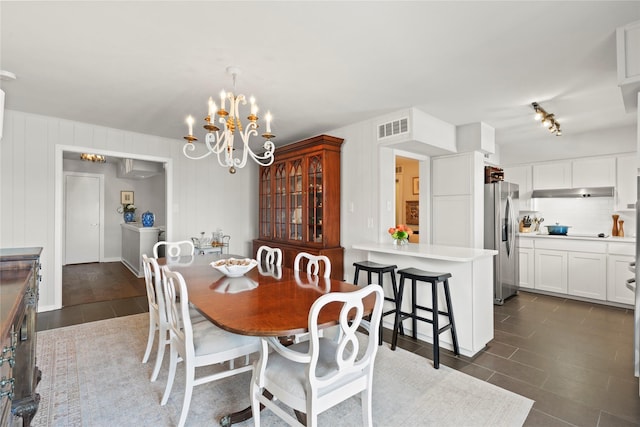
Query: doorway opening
(125, 284)
(407, 198)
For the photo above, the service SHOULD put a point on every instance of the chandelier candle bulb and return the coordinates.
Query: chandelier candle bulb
(223, 96)
(212, 107)
(268, 119)
(190, 123)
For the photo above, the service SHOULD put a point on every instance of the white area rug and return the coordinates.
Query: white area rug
(92, 376)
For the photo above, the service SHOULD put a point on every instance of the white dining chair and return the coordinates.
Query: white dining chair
(315, 375)
(313, 263)
(158, 314)
(199, 344)
(174, 249)
(272, 256)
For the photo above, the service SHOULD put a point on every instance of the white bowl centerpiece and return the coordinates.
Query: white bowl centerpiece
(234, 267)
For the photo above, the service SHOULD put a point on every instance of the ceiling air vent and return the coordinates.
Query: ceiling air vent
(395, 127)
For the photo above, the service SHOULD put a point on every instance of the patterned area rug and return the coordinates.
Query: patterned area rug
(92, 375)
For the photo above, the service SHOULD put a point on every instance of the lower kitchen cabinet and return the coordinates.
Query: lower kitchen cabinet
(586, 275)
(526, 268)
(551, 270)
(618, 273)
(593, 269)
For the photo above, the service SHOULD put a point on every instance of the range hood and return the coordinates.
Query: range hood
(138, 169)
(574, 192)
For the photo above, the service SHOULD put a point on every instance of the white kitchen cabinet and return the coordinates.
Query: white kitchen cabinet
(137, 240)
(618, 273)
(551, 270)
(626, 182)
(527, 263)
(593, 172)
(552, 175)
(521, 175)
(587, 275)
(453, 216)
(452, 175)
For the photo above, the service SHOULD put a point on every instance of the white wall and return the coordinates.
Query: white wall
(204, 195)
(584, 215)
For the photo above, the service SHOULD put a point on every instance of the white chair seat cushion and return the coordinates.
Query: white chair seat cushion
(210, 339)
(291, 377)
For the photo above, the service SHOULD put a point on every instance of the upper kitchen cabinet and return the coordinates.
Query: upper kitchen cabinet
(521, 175)
(628, 53)
(299, 206)
(626, 182)
(457, 184)
(552, 175)
(578, 173)
(593, 172)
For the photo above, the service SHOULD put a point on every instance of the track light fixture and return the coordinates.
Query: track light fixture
(546, 119)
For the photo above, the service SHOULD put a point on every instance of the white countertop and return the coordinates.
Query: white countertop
(609, 239)
(424, 250)
(137, 226)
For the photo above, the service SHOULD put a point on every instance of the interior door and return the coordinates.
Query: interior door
(82, 218)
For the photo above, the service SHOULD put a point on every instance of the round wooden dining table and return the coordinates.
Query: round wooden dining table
(267, 301)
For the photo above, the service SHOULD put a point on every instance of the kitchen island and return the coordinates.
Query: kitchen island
(471, 288)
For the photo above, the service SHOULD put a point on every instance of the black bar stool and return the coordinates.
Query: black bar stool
(373, 267)
(434, 278)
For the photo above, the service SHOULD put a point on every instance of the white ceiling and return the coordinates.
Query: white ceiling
(144, 66)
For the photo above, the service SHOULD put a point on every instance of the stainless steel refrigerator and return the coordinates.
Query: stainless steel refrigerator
(501, 234)
(633, 284)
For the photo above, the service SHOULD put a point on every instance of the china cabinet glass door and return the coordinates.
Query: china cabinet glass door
(265, 203)
(280, 210)
(315, 198)
(295, 200)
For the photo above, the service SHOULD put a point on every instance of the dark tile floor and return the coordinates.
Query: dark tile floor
(574, 359)
(87, 283)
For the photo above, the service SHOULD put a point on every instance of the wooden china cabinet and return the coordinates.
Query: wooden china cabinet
(300, 201)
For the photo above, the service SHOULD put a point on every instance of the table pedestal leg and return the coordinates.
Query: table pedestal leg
(245, 414)
(242, 415)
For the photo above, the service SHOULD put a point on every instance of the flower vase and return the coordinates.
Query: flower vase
(400, 242)
(148, 219)
(129, 216)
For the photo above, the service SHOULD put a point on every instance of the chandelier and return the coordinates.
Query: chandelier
(547, 120)
(95, 158)
(221, 141)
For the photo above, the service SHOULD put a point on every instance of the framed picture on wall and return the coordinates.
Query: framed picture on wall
(126, 197)
(416, 185)
(412, 213)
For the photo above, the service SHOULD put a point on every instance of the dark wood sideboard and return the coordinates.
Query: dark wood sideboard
(299, 207)
(19, 375)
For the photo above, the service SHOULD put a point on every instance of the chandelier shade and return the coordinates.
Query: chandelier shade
(219, 141)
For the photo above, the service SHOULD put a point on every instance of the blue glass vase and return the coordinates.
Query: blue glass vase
(129, 216)
(147, 219)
